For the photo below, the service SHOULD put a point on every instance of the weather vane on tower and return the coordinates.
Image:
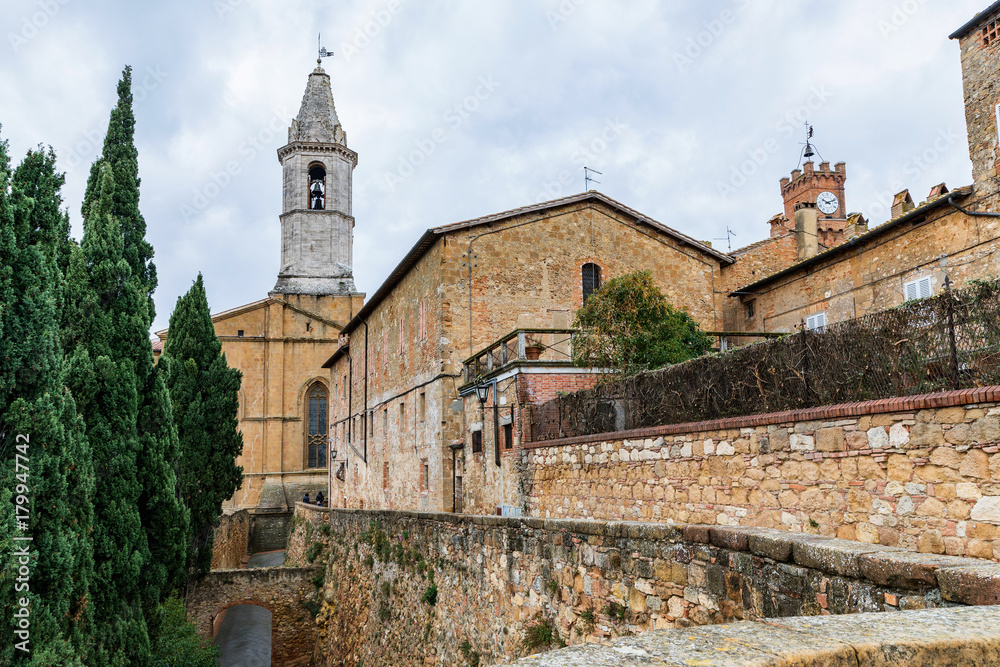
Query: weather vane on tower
(323, 53)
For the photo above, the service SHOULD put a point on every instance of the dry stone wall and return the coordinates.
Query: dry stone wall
(921, 473)
(409, 588)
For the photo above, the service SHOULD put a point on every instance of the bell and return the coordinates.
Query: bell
(809, 151)
(317, 189)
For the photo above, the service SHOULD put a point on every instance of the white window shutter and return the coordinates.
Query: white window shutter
(911, 291)
(924, 287)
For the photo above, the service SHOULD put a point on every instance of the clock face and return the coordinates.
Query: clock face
(827, 202)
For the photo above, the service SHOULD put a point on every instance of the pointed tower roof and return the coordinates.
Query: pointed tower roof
(317, 120)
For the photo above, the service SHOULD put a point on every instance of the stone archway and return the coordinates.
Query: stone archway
(280, 590)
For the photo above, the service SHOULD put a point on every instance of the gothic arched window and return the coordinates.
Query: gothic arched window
(316, 438)
(591, 279)
(317, 187)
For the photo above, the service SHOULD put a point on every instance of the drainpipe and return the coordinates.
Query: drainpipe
(975, 214)
(496, 423)
(364, 412)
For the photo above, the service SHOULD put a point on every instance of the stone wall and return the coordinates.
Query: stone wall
(232, 540)
(920, 472)
(269, 532)
(501, 581)
(942, 637)
(286, 592)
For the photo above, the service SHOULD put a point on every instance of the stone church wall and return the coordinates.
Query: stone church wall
(921, 473)
(409, 588)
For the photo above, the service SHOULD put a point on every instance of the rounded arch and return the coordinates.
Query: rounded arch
(316, 186)
(220, 612)
(591, 279)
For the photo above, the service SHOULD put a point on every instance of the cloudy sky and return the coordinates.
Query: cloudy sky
(692, 110)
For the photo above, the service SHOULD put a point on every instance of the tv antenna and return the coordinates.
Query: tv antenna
(323, 53)
(728, 238)
(808, 149)
(587, 179)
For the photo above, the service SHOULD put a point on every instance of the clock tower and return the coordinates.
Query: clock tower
(822, 188)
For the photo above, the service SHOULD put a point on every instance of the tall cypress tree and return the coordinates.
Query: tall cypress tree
(205, 395)
(58, 479)
(164, 518)
(107, 329)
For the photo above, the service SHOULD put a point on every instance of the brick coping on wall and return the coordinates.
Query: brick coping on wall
(947, 636)
(961, 580)
(941, 399)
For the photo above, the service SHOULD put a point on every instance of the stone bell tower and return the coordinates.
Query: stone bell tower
(317, 226)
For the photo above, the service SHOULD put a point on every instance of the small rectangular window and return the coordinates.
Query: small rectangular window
(477, 441)
(421, 406)
(917, 289)
(508, 436)
(750, 309)
(385, 476)
(385, 422)
(990, 32)
(816, 322)
(402, 414)
(239, 333)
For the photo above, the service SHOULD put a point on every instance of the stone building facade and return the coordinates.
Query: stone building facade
(399, 419)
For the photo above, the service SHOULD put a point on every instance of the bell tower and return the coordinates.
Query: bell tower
(317, 226)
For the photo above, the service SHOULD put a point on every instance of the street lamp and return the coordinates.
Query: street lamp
(483, 393)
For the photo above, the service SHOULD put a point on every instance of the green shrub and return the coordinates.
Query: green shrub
(313, 551)
(430, 595)
(472, 657)
(176, 642)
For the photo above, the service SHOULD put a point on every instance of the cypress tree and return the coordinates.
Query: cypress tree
(205, 395)
(164, 518)
(58, 478)
(107, 329)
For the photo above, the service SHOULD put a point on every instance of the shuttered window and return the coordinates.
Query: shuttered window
(917, 289)
(816, 322)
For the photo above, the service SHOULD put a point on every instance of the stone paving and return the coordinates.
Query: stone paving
(267, 559)
(245, 637)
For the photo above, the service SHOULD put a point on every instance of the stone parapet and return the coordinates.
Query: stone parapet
(917, 472)
(941, 637)
(497, 578)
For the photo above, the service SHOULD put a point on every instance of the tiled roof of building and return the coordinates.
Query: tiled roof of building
(427, 240)
(923, 208)
(976, 20)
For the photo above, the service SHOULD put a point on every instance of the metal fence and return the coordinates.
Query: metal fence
(951, 341)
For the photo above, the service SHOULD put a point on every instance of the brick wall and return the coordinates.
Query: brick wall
(921, 473)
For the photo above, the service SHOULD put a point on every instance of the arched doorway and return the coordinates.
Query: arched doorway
(242, 631)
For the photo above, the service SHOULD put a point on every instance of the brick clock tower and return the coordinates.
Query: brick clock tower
(822, 188)
(979, 40)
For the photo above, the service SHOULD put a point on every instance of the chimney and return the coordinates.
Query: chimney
(901, 203)
(806, 229)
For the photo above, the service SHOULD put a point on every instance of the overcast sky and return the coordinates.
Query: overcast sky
(692, 110)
